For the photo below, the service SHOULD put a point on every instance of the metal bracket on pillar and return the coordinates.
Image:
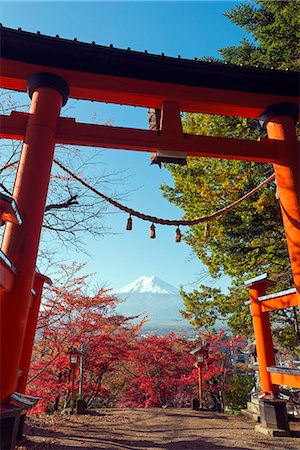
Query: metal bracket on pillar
(279, 109)
(45, 79)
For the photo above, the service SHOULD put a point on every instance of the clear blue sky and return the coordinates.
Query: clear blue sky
(189, 29)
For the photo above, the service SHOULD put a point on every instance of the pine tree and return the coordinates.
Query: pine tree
(250, 239)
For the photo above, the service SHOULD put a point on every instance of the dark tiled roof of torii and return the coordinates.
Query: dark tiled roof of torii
(78, 56)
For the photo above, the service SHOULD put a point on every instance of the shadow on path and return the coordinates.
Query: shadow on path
(149, 430)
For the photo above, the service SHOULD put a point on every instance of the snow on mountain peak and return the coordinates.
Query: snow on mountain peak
(148, 285)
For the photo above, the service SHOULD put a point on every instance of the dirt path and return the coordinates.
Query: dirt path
(151, 429)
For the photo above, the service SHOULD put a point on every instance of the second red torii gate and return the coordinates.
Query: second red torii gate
(52, 69)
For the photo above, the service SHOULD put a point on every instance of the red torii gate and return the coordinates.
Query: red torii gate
(52, 69)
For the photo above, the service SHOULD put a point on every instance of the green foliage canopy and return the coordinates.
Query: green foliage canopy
(250, 239)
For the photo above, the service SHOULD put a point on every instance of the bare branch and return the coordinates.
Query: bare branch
(71, 201)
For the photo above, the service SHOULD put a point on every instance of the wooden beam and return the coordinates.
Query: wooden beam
(281, 377)
(70, 132)
(144, 93)
(114, 75)
(288, 299)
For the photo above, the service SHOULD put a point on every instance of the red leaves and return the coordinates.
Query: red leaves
(160, 370)
(72, 317)
(120, 367)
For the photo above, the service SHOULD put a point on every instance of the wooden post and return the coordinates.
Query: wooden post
(279, 121)
(262, 332)
(33, 313)
(20, 242)
(72, 402)
(200, 386)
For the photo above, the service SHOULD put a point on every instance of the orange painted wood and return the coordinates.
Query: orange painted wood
(263, 337)
(20, 242)
(287, 171)
(13, 126)
(284, 379)
(70, 132)
(7, 276)
(7, 213)
(145, 93)
(285, 301)
(8, 210)
(24, 366)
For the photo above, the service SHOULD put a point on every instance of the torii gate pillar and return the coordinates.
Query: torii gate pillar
(20, 242)
(262, 332)
(279, 121)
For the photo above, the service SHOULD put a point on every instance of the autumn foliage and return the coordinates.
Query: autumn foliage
(160, 373)
(72, 316)
(121, 367)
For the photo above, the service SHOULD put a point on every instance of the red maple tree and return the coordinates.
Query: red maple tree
(160, 373)
(71, 316)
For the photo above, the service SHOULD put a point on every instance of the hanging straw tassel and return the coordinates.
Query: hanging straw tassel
(129, 224)
(152, 232)
(178, 235)
(207, 230)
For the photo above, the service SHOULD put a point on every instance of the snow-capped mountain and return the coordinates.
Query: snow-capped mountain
(148, 285)
(158, 300)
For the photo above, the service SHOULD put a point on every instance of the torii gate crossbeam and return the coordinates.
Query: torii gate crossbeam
(105, 74)
(70, 132)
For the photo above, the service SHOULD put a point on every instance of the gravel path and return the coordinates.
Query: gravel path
(151, 429)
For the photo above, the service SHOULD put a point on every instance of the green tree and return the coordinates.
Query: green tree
(249, 239)
(238, 391)
(275, 30)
